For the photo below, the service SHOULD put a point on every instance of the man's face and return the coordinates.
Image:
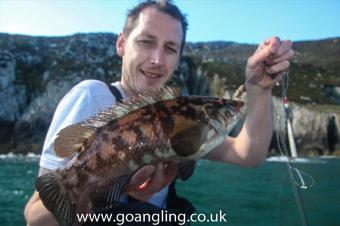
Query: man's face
(151, 52)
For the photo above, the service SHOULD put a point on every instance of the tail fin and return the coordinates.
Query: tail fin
(55, 199)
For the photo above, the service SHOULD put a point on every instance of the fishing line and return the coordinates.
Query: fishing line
(301, 182)
(296, 185)
(299, 173)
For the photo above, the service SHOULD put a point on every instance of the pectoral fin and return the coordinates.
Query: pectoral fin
(73, 139)
(188, 140)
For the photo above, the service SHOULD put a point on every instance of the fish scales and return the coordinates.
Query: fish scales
(155, 126)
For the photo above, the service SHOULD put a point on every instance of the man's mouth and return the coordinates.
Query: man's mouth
(150, 74)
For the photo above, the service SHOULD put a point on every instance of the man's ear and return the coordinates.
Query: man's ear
(120, 44)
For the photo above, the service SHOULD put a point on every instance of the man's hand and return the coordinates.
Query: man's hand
(149, 180)
(268, 64)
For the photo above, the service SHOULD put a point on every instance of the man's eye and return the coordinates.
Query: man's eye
(148, 43)
(171, 50)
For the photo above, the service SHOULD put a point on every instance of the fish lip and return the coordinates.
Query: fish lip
(150, 74)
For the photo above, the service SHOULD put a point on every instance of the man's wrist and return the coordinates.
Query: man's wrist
(258, 91)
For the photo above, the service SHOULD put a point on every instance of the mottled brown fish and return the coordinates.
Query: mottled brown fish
(151, 127)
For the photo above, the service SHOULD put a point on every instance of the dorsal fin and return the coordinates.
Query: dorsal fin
(138, 101)
(78, 137)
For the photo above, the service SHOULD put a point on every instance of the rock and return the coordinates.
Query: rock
(37, 116)
(332, 133)
(7, 69)
(12, 95)
(6, 135)
(332, 92)
(309, 127)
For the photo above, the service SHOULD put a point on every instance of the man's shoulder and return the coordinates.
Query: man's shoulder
(87, 92)
(91, 86)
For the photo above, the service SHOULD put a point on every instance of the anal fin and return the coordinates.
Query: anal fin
(107, 194)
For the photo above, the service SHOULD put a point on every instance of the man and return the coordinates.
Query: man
(150, 46)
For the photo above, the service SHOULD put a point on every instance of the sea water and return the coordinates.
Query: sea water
(258, 196)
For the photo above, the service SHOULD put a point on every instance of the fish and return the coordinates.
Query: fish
(157, 125)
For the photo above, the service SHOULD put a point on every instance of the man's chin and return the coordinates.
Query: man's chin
(148, 83)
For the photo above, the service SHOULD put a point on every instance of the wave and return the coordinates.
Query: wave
(296, 160)
(329, 157)
(11, 155)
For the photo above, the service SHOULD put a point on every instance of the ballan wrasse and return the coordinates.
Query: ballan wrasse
(154, 126)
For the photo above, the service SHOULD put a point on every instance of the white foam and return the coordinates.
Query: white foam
(295, 160)
(18, 192)
(11, 155)
(329, 157)
(32, 155)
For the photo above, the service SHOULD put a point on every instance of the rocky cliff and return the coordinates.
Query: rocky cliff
(36, 72)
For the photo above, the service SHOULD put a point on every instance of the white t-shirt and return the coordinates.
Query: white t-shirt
(84, 100)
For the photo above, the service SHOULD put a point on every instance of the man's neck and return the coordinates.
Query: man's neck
(126, 88)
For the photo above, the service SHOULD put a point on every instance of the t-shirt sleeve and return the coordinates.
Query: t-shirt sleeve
(78, 104)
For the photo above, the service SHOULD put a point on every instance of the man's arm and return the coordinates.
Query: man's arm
(250, 147)
(35, 212)
(264, 68)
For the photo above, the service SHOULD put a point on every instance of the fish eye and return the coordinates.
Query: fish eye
(211, 110)
(208, 107)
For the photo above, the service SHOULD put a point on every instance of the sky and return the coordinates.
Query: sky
(243, 21)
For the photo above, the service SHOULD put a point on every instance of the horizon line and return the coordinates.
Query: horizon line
(107, 32)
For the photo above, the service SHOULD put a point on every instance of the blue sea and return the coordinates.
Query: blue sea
(258, 196)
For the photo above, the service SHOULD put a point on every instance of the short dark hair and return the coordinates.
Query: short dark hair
(164, 6)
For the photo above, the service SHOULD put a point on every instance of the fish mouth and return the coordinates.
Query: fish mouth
(150, 74)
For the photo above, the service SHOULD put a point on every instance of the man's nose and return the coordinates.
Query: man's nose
(158, 56)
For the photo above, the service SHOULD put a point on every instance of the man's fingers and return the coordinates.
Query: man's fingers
(156, 182)
(278, 78)
(280, 67)
(170, 173)
(268, 64)
(150, 179)
(284, 52)
(265, 50)
(284, 57)
(285, 46)
(274, 41)
(141, 176)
